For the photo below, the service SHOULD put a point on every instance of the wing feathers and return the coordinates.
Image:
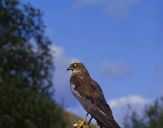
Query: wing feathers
(92, 99)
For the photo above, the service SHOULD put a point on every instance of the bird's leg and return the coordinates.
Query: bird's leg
(86, 116)
(90, 120)
(81, 123)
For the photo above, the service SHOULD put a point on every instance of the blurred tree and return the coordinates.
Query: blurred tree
(25, 64)
(152, 117)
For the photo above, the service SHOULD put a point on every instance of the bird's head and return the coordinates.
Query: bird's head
(78, 68)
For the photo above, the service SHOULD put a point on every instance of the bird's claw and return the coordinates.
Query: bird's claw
(80, 124)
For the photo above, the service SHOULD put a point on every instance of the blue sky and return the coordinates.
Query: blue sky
(119, 41)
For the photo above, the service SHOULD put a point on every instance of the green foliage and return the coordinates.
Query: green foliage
(152, 117)
(25, 70)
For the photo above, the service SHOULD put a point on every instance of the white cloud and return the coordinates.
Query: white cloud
(115, 69)
(61, 61)
(128, 100)
(120, 7)
(61, 76)
(57, 51)
(114, 7)
(120, 106)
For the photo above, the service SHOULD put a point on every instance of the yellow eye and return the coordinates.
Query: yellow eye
(74, 65)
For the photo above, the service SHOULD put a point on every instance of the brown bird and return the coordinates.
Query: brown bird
(90, 96)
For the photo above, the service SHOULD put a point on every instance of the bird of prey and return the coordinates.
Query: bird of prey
(90, 96)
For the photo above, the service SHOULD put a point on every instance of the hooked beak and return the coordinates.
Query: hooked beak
(69, 68)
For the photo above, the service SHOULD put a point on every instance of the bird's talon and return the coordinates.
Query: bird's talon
(80, 124)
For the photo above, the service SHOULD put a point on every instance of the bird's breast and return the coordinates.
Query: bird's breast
(80, 97)
(74, 91)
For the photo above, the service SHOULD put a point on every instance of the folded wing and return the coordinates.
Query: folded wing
(92, 99)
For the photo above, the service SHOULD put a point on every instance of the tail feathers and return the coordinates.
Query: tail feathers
(110, 124)
(105, 121)
(105, 118)
(101, 125)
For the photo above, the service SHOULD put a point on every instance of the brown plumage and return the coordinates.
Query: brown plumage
(90, 95)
